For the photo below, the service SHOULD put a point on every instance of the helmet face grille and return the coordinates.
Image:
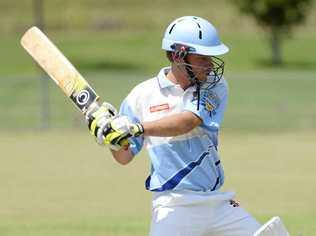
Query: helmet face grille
(214, 73)
(213, 77)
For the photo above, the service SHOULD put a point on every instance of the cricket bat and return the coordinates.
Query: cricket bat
(58, 67)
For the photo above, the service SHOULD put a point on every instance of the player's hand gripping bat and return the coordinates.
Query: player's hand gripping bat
(57, 66)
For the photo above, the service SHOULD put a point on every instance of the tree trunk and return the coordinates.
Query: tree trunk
(276, 41)
(39, 21)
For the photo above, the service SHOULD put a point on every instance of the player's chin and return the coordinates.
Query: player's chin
(202, 78)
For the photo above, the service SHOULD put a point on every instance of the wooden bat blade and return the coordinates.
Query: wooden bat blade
(58, 67)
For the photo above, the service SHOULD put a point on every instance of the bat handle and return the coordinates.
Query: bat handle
(94, 106)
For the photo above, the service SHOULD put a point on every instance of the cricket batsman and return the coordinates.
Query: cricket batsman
(177, 115)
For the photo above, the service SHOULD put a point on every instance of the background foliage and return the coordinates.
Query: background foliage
(278, 17)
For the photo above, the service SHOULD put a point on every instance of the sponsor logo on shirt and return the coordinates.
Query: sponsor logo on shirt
(209, 106)
(160, 107)
(210, 101)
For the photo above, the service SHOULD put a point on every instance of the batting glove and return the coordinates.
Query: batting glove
(120, 129)
(136, 129)
(117, 133)
(99, 118)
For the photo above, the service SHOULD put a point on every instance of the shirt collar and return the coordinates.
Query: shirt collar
(162, 79)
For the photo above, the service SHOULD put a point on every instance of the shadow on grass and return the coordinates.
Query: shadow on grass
(289, 65)
(107, 65)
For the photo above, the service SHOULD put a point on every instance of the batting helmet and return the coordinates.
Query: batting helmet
(196, 33)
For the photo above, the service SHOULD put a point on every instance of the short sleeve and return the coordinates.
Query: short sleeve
(212, 106)
(136, 143)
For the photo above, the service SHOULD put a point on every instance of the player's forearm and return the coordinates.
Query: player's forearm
(173, 125)
(123, 156)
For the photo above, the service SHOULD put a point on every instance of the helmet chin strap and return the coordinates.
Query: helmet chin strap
(181, 52)
(193, 78)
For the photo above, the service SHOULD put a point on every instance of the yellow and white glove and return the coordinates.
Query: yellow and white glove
(136, 129)
(111, 129)
(120, 129)
(99, 118)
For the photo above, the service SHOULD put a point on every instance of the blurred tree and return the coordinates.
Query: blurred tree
(38, 6)
(39, 21)
(277, 16)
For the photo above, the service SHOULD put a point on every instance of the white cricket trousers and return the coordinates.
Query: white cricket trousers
(199, 214)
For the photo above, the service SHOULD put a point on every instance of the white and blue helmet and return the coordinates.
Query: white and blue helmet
(196, 33)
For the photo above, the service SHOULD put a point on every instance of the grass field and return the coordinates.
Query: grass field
(58, 182)
(50, 188)
(139, 52)
(259, 101)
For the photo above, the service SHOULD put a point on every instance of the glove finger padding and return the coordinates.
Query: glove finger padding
(116, 140)
(111, 109)
(106, 110)
(112, 135)
(98, 117)
(102, 131)
(136, 129)
(121, 124)
(117, 133)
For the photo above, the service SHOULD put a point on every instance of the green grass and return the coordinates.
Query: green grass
(259, 101)
(140, 52)
(271, 101)
(50, 188)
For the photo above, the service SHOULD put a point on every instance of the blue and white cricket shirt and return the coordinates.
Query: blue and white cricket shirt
(185, 162)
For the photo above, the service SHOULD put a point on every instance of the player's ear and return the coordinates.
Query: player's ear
(173, 56)
(170, 56)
